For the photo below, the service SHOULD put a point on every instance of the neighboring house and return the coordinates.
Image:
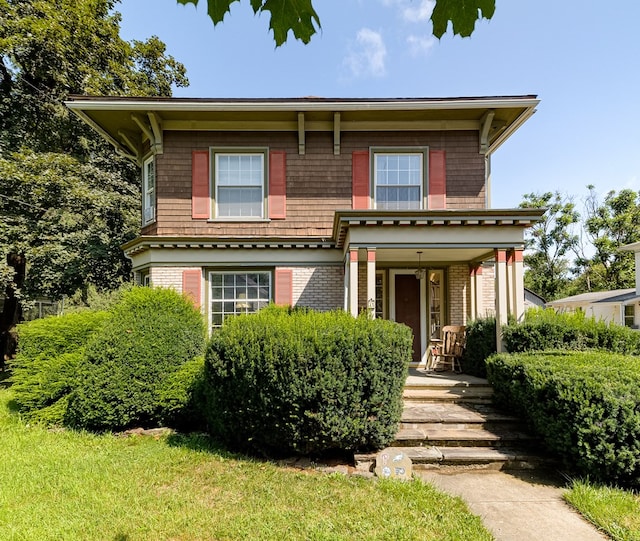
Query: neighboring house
(363, 204)
(621, 306)
(532, 300)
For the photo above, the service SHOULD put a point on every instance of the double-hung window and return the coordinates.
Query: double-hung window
(234, 293)
(399, 179)
(239, 180)
(148, 191)
(629, 315)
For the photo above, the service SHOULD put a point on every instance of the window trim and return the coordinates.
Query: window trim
(423, 151)
(629, 317)
(146, 191)
(234, 271)
(214, 152)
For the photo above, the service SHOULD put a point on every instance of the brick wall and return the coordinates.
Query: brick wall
(488, 298)
(320, 288)
(458, 294)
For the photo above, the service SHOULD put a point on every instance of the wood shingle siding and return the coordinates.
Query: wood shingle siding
(317, 183)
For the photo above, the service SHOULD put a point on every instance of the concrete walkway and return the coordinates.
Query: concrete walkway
(517, 506)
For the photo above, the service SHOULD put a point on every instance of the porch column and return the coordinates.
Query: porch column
(353, 282)
(517, 310)
(510, 287)
(473, 309)
(371, 282)
(475, 272)
(501, 296)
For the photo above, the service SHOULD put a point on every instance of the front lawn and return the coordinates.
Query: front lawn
(613, 510)
(69, 485)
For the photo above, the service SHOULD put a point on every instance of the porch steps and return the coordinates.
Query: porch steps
(448, 422)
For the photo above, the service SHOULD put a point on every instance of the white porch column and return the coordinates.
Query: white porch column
(501, 296)
(371, 282)
(346, 274)
(473, 309)
(353, 282)
(517, 285)
(510, 284)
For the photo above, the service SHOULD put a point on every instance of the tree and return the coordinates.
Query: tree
(67, 201)
(300, 17)
(548, 244)
(608, 226)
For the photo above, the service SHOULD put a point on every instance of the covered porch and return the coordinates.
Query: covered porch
(428, 269)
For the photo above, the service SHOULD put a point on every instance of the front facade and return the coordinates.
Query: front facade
(368, 205)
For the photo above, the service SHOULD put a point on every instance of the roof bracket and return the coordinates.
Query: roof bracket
(301, 134)
(128, 139)
(145, 128)
(485, 127)
(336, 134)
(156, 128)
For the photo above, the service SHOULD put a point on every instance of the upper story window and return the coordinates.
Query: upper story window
(148, 190)
(239, 184)
(399, 180)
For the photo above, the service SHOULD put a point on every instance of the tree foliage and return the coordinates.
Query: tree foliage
(549, 244)
(300, 17)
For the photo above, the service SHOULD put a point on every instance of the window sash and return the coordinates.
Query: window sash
(234, 293)
(149, 190)
(239, 184)
(399, 180)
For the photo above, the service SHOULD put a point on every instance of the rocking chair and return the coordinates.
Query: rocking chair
(448, 353)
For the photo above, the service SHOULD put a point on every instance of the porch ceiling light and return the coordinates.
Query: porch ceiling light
(420, 273)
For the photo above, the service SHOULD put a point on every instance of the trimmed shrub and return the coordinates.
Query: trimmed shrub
(44, 371)
(180, 397)
(299, 381)
(585, 406)
(481, 343)
(150, 334)
(544, 329)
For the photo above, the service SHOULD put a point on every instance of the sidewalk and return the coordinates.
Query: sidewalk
(517, 506)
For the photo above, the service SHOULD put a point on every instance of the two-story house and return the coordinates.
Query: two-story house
(362, 204)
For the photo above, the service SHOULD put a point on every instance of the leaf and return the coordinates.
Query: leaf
(463, 15)
(217, 9)
(295, 15)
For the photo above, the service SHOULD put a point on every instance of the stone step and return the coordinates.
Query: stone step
(459, 457)
(468, 415)
(457, 437)
(481, 395)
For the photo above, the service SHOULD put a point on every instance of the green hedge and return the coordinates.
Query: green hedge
(545, 329)
(284, 381)
(45, 368)
(150, 334)
(481, 343)
(585, 406)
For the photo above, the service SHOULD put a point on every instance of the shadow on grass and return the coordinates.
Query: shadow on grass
(201, 442)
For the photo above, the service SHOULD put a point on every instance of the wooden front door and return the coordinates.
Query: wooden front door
(407, 305)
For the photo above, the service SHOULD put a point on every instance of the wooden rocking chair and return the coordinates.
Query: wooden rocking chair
(448, 353)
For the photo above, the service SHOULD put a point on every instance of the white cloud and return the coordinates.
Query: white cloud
(420, 45)
(367, 57)
(413, 11)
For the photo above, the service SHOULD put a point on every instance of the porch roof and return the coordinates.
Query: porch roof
(466, 235)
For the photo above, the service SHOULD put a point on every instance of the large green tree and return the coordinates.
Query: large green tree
(549, 244)
(300, 17)
(608, 225)
(66, 200)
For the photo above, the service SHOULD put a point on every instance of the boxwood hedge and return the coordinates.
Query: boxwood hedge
(585, 406)
(298, 381)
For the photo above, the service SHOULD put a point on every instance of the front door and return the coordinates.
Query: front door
(407, 308)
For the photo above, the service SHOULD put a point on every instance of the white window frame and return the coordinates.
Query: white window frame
(422, 152)
(629, 320)
(216, 153)
(149, 190)
(242, 304)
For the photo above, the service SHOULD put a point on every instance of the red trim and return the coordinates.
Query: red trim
(353, 255)
(518, 256)
(200, 182)
(191, 285)
(360, 179)
(277, 184)
(283, 294)
(479, 270)
(371, 255)
(437, 179)
(510, 257)
(501, 256)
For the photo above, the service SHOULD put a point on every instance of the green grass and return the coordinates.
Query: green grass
(613, 510)
(67, 485)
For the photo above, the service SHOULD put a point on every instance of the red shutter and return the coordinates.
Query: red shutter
(200, 182)
(283, 287)
(360, 179)
(437, 180)
(277, 184)
(191, 282)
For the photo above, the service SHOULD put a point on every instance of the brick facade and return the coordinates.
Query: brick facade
(320, 288)
(458, 295)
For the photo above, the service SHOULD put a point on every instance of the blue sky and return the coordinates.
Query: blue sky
(581, 57)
